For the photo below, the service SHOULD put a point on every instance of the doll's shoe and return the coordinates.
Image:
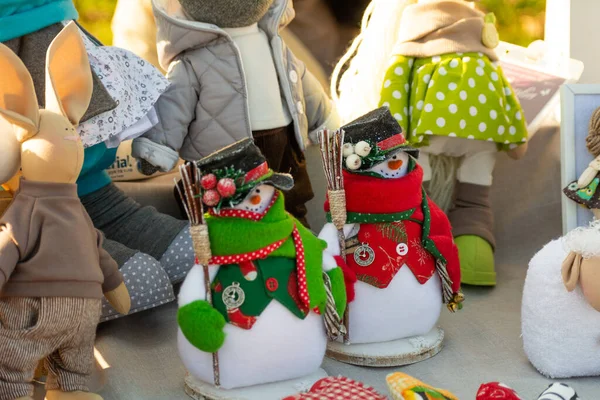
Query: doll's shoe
(78, 395)
(476, 261)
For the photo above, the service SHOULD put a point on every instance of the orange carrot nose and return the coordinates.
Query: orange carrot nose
(394, 165)
(255, 199)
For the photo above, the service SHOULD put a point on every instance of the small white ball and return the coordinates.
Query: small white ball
(353, 162)
(348, 149)
(362, 148)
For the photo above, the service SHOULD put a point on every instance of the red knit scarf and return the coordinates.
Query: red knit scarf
(378, 197)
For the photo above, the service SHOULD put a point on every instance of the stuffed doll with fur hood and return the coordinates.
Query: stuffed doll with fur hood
(144, 243)
(233, 77)
(441, 80)
(53, 269)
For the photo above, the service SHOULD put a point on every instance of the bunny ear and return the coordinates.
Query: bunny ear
(68, 75)
(571, 269)
(18, 102)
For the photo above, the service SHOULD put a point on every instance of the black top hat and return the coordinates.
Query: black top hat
(381, 130)
(243, 162)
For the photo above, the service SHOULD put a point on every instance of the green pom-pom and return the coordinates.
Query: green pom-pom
(202, 325)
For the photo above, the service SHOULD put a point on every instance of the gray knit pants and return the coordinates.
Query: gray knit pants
(133, 227)
(62, 330)
(152, 249)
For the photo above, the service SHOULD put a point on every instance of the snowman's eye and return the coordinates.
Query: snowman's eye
(393, 158)
(257, 190)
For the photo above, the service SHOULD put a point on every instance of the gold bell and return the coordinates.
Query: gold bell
(456, 303)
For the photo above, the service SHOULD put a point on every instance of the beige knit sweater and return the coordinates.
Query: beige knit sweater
(441, 27)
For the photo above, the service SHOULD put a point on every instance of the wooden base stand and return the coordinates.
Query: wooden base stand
(199, 390)
(394, 353)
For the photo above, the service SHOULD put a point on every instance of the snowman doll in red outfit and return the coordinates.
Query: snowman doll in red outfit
(399, 244)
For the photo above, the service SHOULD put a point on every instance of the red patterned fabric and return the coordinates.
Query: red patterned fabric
(242, 258)
(257, 172)
(392, 141)
(496, 390)
(388, 258)
(340, 388)
(370, 195)
(301, 267)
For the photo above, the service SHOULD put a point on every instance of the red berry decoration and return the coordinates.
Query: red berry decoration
(211, 198)
(208, 181)
(226, 187)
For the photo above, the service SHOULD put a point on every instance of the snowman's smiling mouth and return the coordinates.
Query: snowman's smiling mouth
(387, 174)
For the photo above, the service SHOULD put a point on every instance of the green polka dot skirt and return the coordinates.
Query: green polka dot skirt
(456, 95)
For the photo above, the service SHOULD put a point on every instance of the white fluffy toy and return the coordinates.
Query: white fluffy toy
(560, 321)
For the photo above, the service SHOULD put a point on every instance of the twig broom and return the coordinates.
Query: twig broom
(191, 197)
(331, 145)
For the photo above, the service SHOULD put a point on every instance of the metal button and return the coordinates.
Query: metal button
(402, 249)
(293, 76)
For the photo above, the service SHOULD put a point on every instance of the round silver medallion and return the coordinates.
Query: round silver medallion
(364, 255)
(233, 296)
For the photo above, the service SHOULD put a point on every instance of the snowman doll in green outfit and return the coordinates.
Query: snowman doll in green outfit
(441, 81)
(267, 280)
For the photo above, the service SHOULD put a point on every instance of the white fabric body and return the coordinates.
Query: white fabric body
(477, 165)
(279, 346)
(560, 329)
(404, 309)
(264, 97)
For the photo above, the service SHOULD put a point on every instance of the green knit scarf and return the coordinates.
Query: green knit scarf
(231, 236)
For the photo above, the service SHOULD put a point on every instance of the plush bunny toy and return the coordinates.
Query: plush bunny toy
(53, 269)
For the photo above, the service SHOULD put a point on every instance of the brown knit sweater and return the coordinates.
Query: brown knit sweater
(49, 247)
(441, 27)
